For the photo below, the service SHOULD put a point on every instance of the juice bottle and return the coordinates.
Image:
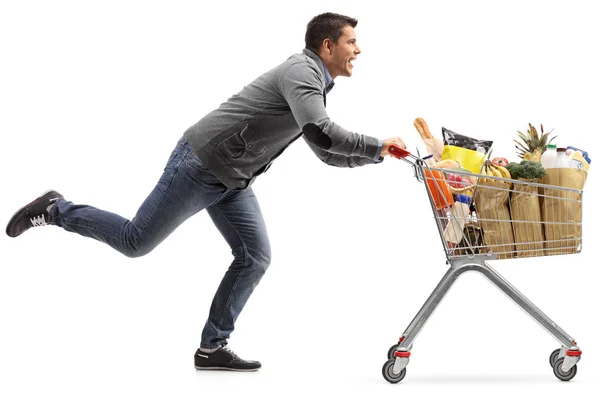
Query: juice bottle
(561, 158)
(438, 188)
(457, 218)
(549, 157)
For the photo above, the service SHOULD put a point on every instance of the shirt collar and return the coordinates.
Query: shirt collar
(328, 79)
(329, 82)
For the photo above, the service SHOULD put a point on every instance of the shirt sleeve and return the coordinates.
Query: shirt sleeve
(338, 160)
(301, 86)
(377, 157)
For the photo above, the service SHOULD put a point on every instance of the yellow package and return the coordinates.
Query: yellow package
(580, 162)
(468, 159)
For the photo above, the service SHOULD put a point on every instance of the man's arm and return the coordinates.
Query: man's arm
(301, 86)
(338, 160)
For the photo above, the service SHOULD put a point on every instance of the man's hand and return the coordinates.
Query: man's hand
(385, 148)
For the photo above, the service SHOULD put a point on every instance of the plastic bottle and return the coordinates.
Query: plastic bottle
(472, 242)
(561, 158)
(457, 218)
(549, 157)
(583, 153)
(440, 193)
(577, 161)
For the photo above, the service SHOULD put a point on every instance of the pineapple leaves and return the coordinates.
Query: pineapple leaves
(524, 138)
(532, 142)
(533, 132)
(520, 146)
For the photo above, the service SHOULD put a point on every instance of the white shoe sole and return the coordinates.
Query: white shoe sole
(225, 369)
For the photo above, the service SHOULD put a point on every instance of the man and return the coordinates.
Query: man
(213, 166)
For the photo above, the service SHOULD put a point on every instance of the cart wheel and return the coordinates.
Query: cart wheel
(391, 351)
(388, 372)
(564, 376)
(554, 357)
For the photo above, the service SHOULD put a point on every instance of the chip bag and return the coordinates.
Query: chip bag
(467, 151)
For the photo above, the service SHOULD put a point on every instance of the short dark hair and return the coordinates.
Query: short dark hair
(323, 26)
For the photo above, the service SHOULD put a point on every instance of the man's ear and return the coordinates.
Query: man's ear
(327, 46)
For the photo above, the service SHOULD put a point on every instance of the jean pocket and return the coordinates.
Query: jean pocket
(193, 161)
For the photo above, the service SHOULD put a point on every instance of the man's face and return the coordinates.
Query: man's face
(339, 56)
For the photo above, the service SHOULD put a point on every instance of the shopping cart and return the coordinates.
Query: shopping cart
(506, 219)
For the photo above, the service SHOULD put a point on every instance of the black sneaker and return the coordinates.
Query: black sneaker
(223, 359)
(33, 214)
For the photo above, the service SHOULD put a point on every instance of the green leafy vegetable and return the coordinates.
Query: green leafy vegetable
(526, 170)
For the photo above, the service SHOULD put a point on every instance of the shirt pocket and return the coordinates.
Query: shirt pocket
(242, 144)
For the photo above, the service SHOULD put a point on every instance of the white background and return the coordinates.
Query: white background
(94, 96)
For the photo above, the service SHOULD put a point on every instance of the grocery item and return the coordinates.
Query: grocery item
(578, 161)
(497, 171)
(472, 241)
(526, 218)
(500, 161)
(561, 158)
(434, 146)
(464, 150)
(583, 153)
(436, 183)
(532, 145)
(458, 180)
(526, 170)
(457, 217)
(561, 210)
(548, 159)
(456, 139)
(422, 128)
(447, 164)
(491, 201)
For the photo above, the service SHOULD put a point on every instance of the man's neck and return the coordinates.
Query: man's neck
(329, 79)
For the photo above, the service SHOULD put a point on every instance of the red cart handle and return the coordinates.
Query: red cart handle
(398, 152)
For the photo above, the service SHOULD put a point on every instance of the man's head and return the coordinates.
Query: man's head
(332, 37)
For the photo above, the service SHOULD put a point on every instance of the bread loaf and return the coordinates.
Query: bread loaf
(423, 129)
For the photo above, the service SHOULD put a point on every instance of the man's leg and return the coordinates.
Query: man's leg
(182, 191)
(240, 221)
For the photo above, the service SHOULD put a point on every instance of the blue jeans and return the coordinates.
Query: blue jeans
(185, 188)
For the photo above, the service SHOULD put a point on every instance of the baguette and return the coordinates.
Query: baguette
(421, 126)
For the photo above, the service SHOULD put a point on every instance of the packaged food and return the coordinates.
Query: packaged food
(491, 201)
(457, 217)
(472, 242)
(561, 210)
(583, 153)
(467, 151)
(458, 181)
(456, 139)
(434, 146)
(436, 183)
(578, 159)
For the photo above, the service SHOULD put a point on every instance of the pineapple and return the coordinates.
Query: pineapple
(533, 145)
